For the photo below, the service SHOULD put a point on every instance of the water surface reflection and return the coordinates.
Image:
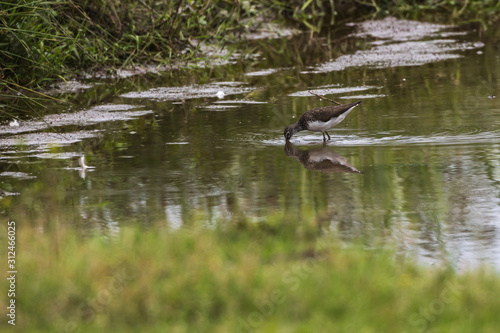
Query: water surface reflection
(320, 159)
(427, 142)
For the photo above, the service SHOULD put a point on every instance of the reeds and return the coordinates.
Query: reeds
(42, 41)
(47, 40)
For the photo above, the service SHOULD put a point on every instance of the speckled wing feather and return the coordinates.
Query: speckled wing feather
(325, 113)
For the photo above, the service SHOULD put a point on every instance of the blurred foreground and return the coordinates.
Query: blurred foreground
(276, 275)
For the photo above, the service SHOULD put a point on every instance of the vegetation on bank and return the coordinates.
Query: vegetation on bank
(282, 274)
(42, 41)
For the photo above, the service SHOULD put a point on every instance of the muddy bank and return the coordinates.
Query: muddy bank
(390, 43)
(399, 43)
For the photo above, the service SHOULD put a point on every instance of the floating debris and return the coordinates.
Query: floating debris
(83, 167)
(82, 163)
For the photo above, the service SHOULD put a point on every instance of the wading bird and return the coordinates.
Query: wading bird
(320, 119)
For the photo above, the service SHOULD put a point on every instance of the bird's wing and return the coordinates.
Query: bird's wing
(326, 113)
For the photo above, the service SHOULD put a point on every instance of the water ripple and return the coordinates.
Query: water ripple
(443, 139)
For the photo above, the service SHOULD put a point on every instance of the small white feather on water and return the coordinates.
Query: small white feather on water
(83, 167)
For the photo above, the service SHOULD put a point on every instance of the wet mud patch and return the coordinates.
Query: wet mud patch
(400, 43)
(210, 90)
(263, 72)
(68, 87)
(331, 89)
(240, 101)
(17, 175)
(224, 105)
(366, 96)
(45, 140)
(214, 107)
(395, 29)
(98, 114)
(271, 31)
(37, 137)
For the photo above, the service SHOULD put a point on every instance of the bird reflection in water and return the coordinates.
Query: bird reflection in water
(320, 159)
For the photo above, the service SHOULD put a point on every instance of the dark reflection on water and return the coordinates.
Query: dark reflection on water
(426, 139)
(320, 159)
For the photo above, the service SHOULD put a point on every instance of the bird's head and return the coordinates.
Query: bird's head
(289, 131)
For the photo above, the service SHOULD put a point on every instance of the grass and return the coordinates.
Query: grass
(43, 41)
(279, 275)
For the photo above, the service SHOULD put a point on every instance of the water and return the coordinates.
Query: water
(417, 164)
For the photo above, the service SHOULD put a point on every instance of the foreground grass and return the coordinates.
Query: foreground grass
(275, 276)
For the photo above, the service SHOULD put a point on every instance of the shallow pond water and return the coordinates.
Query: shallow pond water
(417, 164)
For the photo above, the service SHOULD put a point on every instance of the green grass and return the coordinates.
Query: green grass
(279, 275)
(43, 41)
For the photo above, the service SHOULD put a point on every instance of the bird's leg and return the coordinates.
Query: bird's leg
(324, 138)
(328, 135)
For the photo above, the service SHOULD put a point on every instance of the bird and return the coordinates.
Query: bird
(320, 119)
